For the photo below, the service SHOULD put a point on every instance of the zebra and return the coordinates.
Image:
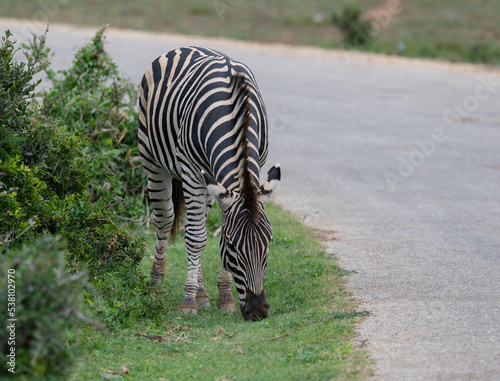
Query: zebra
(203, 136)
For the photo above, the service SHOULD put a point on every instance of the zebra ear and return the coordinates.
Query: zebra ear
(272, 182)
(222, 195)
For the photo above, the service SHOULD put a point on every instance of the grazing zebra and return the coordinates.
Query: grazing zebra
(203, 137)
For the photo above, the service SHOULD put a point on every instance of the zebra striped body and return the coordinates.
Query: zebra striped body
(203, 137)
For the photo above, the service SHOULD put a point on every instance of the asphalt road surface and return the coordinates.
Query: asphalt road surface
(398, 163)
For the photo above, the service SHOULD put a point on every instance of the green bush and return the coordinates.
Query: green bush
(58, 155)
(17, 87)
(94, 101)
(356, 32)
(46, 303)
(484, 53)
(30, 208)
(36, 183)
(46, 176)
(48, 170)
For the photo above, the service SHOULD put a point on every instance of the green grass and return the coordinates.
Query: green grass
(307, 335)
(461, 30)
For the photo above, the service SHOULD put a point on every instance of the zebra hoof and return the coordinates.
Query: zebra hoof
(202, 302)
(226, 307)
(188, 307)
(202, 299)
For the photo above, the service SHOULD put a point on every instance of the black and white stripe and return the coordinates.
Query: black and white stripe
(203, 137)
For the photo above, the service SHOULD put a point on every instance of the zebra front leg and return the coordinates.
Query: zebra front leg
(226, 301)
(160, 194)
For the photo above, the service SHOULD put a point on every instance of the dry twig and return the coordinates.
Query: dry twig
(279, 337)
(163, 338)
(177, 338)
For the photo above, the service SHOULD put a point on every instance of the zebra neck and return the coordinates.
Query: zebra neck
(230, 174)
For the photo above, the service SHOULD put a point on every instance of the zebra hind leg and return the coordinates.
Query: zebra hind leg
(195, 236)
(202, 296)
(196, 239)
(160, 194)
(226, 300)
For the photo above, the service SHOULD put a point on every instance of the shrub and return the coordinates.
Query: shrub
(35, 184)
(46, 304)
(484, 53)
(17, 85)
(48, 174)
(58, 156)
(356, 32)
(21, 189)
(92, 99)
(45, 178)
(29, 208)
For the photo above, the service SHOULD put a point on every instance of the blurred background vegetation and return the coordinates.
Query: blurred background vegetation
(459, 30)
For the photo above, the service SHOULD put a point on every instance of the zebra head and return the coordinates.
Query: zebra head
(245, 237)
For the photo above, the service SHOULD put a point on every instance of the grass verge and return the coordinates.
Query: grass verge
(307, 335)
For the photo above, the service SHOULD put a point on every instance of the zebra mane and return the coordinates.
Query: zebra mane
(240, 92)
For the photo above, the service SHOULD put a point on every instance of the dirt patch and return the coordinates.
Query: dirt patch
(326, 235)
(384, 13)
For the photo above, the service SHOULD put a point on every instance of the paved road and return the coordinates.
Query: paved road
(400, 162)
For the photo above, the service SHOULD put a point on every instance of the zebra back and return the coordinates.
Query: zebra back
(195, 106)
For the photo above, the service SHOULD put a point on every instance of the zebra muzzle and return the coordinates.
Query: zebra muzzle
(255, 307)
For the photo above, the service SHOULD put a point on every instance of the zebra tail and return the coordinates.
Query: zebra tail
(179, 204)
